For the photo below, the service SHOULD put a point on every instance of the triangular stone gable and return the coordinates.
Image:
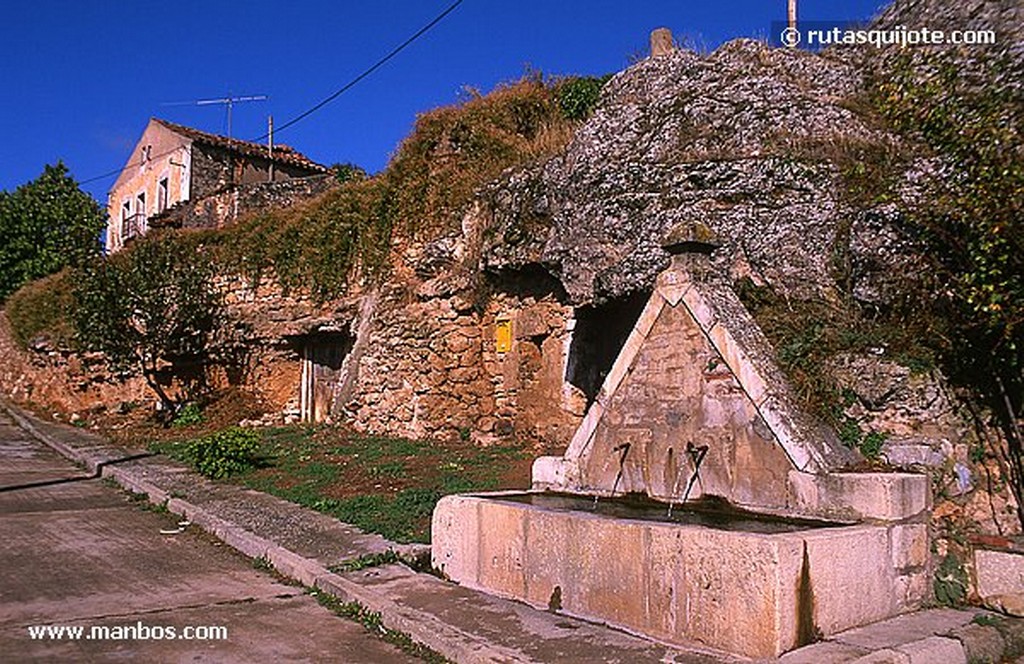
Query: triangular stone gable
(696, 371)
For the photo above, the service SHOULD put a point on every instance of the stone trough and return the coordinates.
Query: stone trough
(696, 504)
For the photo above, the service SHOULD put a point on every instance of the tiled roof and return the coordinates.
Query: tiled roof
(282, 153)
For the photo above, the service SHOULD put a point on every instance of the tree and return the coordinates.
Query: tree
(46, 225)
(970, 113)
(147, 307)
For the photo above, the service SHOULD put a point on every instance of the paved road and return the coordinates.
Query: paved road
(76, 551)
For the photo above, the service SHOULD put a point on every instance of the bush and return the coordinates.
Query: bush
(224, 453)
(967, 110)
(455, 150)
(151, 304)
(43, 309)
(578, 96)
(187, 416)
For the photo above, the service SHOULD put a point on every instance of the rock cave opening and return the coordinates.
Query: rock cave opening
(600, 332)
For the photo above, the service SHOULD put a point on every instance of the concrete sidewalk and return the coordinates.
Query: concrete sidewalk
(461, 624)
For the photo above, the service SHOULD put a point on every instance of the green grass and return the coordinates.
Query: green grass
(385, 485)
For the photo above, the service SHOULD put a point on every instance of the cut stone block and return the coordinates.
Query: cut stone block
(743, 592)
(933, 650)
(999, 572)
(880, 496)
(909, 545)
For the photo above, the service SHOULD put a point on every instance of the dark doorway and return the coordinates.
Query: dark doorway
(599, 335)
(323, 356)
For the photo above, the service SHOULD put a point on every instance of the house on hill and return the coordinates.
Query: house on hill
(184, 177)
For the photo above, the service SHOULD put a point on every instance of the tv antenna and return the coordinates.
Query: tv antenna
(228, 102)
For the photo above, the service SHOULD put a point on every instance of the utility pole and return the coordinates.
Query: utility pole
(791, 15)
(270, 148)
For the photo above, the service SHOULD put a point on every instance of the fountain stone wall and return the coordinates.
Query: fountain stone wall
(695, 407)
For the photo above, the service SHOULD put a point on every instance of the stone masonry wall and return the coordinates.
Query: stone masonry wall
(431, 368)
(60, 381)
(231, 202)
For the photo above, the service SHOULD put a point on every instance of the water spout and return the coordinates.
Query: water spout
(623, 450)
(697, 453)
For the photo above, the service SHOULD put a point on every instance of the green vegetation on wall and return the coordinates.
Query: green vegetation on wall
(973, 219)
(807, 335)
(578, 95)
(149, 307)
(452, 152)
(43, 309)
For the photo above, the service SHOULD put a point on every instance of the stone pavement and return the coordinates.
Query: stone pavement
(78, 554)
(461, 624)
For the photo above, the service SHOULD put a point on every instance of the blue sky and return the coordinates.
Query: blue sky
(81, 78)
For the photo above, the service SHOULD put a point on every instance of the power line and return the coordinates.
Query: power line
(395, 51)
(343, 89)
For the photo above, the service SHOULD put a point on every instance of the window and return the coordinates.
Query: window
(140, 212)
(161, 195)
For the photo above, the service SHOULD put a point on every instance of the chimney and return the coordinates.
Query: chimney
(661, 42)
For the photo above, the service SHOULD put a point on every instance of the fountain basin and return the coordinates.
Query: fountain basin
(757, 589)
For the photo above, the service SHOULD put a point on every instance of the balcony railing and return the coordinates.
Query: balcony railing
(132, 227)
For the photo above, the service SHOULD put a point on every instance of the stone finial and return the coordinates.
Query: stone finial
(661, 42)
(690, 237)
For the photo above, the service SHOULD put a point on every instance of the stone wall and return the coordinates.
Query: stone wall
(229, 202)
(424, 361)
(431, 368)
(62, 382)
(927, 427)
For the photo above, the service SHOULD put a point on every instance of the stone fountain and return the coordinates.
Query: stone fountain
(696, 503)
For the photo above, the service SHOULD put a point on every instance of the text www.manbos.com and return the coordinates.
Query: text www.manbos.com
(136, 632)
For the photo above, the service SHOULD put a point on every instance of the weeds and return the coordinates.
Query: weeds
(372, 621)
(188, 416)
(224, 453)
(950, 582)
(367, 561)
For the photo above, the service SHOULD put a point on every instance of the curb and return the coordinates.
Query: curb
(93, 463)
(971, 642)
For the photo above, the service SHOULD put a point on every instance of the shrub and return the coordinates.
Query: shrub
(43, 308)
(577, 96)
(950, 582)
(455, 150)
(148, 305)
(187, 416)
(224, 453)
(967, 110)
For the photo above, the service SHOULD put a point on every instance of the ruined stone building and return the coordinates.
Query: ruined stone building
(181, 176)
